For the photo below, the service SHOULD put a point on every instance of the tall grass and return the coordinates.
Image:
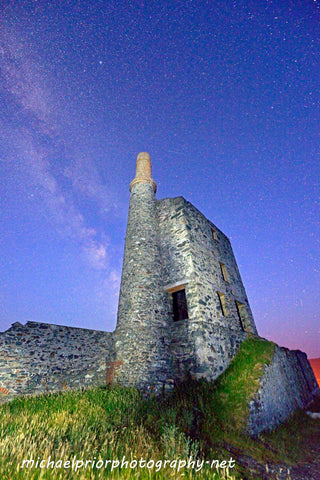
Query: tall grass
(93, 424)
(199, 420)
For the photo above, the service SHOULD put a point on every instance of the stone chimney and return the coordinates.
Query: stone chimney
(141, 345)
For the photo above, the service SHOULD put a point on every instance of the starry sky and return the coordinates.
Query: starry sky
(224, 95)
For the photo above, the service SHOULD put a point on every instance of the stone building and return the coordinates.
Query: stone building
(183, 310)
(182, 307)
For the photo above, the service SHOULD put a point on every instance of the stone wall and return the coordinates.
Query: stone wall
(193, 251)
(39, 357)
(210, 249)
(288, 383)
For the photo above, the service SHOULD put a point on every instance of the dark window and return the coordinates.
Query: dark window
(180, 308)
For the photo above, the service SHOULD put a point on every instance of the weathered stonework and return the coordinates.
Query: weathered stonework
(39, 357)
(288, 383)
(183, 310)
(192, 251)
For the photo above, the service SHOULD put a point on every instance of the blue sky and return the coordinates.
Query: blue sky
(224, 95)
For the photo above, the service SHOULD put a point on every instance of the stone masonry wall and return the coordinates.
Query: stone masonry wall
(208, 254)
(205, 343)
(288, 383)
(39, 357)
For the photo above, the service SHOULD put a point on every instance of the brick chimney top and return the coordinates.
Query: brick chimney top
(143, 171)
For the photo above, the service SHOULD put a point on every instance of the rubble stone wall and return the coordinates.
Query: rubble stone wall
(288, 383)
(39, 357)
(193, 250)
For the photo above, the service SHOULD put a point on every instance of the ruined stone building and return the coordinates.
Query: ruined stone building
(183, 307)
(183, 310)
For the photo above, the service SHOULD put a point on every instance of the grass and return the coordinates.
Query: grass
(198, 419)
(99, 423)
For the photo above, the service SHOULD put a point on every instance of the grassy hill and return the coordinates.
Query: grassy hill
(197, 422)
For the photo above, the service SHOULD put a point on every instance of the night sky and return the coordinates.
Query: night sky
(223, 94)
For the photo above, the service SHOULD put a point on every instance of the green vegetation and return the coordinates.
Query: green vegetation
(205, 421)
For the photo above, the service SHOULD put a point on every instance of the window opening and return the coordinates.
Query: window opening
(223, 303)
(224, 272)
(180, 307)
(214, 234)
(243, 316)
